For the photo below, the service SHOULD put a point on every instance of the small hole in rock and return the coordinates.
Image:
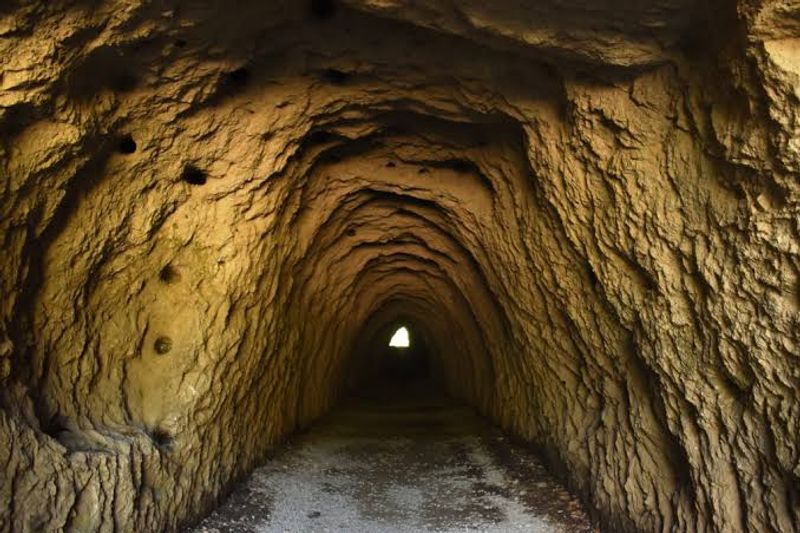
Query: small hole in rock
(335, 76)
(351, 232)
(55, 426)
(390, 164)
(323, 9)
(423, 170)
(162, 438)
(169, 274)
(193, 175)
(163, 345)
(126, 145)
(314, 514)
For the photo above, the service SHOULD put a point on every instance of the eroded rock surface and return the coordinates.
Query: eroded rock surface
(589, 208)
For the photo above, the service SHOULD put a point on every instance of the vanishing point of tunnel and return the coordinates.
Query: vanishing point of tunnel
(400, 265)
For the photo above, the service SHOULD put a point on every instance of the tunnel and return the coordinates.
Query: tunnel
(216, 216)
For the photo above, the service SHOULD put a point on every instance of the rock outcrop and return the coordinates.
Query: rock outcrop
(588, 209)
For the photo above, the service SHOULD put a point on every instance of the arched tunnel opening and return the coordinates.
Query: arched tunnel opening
(217, 217)
(397, 354)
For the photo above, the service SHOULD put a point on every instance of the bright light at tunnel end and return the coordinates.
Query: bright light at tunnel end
(400, 338)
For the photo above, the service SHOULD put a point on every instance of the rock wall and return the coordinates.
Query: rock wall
(590, 210)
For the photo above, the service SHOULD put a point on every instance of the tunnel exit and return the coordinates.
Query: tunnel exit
(400, 339)
(401, 356)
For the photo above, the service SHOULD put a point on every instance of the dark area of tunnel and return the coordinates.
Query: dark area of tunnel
(323, 147)
(386, 367)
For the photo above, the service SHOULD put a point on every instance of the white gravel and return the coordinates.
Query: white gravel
(382, 471)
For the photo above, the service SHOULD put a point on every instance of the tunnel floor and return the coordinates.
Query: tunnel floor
(400, 459)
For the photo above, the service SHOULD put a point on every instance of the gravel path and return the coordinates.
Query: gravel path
(381, 465)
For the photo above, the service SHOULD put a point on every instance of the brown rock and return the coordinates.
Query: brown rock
(589, 209)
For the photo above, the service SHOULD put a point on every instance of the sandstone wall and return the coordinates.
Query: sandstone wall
(590, 209)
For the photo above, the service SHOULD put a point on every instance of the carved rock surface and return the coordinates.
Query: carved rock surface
(589, 210)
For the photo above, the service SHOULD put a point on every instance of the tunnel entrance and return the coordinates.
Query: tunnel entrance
(403, 359)
(398, 353)
(400, 338)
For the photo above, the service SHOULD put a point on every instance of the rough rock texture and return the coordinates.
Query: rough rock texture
(590, 209)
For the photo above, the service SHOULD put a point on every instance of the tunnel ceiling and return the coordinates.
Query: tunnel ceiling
(588, 209)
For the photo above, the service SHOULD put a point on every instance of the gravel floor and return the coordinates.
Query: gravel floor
(417, 463)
